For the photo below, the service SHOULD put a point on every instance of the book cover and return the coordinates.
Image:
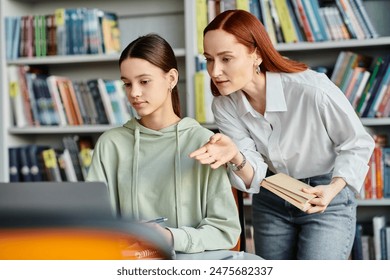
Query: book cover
(201, 22)
(386, 172)
(31, 97)
(380, 92)
(203, 95)
(342, 27)
(70, 111)
(267, 20)
(359, 18)
(24, 167)
(297, 20)
(52, 84)
(111, 33)
(105, 90)
(70, 144)
(380, 113)
(51, 35)
(290, 189)
(22, 80)
(99, 105)
(16, 97)
(383, 237)
(276, 21)
(346, 18)
(346, 5)
(16, 38)
(366, 19)
(52, 170)
(355, 73)
(13, 164)
(320, 20)
(36, 164)
(313, 20)
(330, 22)
(74, 101)
(89, 103)
(361, 85)
(286, 23)
(373, 91)
(65, 161)
(365, 94)
(305, 21)
(378, 222)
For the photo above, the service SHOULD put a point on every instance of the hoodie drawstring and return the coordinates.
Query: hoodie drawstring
(178, 178)
(134, 181)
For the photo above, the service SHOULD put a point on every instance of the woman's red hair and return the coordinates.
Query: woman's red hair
(250, 32)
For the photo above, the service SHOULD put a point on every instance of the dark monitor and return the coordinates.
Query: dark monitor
(75, 199)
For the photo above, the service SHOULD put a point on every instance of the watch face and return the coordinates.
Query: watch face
(235, 167)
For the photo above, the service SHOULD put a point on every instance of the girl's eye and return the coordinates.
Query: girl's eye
(144, 82)
(126, 85)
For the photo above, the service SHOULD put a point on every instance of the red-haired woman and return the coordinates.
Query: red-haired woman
(277, 116)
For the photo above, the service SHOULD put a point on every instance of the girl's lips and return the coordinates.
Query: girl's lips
(138, 103)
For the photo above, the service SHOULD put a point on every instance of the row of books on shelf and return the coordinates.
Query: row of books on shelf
(377, 182)
(365, 82)
(40, 99)
(64, 32)
(372, 240)
(37, 163)
(289, 21)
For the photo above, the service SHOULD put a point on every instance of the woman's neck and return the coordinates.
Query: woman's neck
(256, 94)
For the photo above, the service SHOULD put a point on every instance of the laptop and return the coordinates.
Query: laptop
(67, 199)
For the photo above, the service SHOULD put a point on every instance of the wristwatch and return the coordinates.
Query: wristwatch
(236, 167)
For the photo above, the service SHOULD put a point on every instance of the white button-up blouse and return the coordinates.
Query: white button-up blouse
(309, 128)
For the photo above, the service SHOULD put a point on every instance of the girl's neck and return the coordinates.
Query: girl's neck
(156, 123)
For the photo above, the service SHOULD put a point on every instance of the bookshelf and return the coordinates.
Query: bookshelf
(175, 20)
(314, 54)
(135, 17)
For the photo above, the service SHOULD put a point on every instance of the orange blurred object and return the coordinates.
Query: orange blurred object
(38, 238)
(74, 244)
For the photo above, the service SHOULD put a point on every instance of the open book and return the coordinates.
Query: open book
(288, 188)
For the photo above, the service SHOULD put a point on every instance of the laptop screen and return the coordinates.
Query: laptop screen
(75, 199)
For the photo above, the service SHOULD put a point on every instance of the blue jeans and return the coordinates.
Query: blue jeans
(283, 232)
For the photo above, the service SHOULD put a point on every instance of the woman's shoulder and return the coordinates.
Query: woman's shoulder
(305, 78)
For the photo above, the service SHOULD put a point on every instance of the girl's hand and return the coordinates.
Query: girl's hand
(166, 233)
(324, 195)
(217, 151)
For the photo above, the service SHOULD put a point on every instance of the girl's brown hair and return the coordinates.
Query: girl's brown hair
(250, 32)
(156, 50)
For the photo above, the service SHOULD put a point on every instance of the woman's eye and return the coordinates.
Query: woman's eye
(226, 59)
(144, 82)
(126, 85)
